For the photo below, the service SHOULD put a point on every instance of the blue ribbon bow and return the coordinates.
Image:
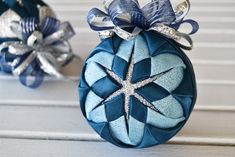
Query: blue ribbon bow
(42, 48)
(158, 15)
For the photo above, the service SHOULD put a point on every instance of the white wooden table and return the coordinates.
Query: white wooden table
(47, 122)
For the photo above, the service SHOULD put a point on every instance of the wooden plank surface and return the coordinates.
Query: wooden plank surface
(32, 148)
(64, 92)
(67, 123)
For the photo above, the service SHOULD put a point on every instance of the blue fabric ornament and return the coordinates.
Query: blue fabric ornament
(137, 93)
(33, 42)
(137, 87)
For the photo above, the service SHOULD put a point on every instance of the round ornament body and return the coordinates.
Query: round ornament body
(137, 93)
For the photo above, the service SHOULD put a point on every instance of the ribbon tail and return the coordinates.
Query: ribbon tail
(187, 38)
(32, 76)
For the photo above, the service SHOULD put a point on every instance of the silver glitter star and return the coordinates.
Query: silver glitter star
(128, 88)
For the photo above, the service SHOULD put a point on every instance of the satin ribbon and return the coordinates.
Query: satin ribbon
(158, 15)
(43, 48)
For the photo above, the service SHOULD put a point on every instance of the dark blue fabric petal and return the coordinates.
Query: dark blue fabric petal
(98, 127)
(110, 45)
(106, 46)
(114, 108)
(185, 102)
(186, 87)
(141, 70)
(163, 135)
(83, 91)
(116, 43)
(148, 139)
(120, 67)
(106, 134)
(138, 110)
(160, 43)
(153, 92)
(105, 87)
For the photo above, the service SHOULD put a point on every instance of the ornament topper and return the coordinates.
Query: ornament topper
(158, 15)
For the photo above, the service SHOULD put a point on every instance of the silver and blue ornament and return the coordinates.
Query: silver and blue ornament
(138, 87)
(33, 42)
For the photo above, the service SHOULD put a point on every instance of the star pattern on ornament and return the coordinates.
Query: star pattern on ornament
(129, 89)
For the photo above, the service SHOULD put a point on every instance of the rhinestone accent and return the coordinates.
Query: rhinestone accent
(167, 31)
(105, 34)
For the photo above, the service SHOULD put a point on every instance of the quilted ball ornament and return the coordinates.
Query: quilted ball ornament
(137, 93)
(33, 42)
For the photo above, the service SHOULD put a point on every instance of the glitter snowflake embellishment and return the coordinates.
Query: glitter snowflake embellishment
(128, 88)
